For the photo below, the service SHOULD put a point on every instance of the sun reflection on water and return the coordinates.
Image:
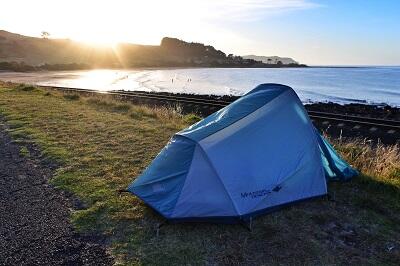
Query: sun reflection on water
(101, 80)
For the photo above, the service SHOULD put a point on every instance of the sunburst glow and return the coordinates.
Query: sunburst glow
(146, 22)
(307, 30)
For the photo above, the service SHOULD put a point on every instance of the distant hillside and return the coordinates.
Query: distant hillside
(271, 59)
(28, 53)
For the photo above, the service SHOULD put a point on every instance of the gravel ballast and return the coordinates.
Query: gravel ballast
(34, 216)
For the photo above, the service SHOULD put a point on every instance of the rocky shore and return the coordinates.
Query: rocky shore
(381, 111)
(334, 128)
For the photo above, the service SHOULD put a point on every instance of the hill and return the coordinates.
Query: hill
(23, 52)
(272, 59)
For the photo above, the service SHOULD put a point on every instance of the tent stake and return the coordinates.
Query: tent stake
(248, 225)
(159, 225)
(331, 197)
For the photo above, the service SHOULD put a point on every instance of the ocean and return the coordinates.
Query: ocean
(370, 85)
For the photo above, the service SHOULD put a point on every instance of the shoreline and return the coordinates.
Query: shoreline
(382, 111)
(189, 67)
(345, 84)
(378, 110)
(77, 67)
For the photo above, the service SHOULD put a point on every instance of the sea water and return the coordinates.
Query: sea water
(371, 85)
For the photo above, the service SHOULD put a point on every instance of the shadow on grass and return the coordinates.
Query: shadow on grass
(378, 196)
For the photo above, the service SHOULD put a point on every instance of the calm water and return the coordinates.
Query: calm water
(342, 85)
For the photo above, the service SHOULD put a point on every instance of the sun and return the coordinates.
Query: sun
(98, 40)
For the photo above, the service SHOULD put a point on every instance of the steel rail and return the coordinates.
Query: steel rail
(395, 123)
(373, 122)
(355, 122)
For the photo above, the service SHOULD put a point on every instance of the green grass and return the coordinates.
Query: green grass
(24, 151)
(102, 145)
(191, 118)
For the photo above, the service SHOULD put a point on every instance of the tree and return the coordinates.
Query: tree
(45, 35)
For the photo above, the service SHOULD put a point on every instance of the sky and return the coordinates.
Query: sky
(314, 32)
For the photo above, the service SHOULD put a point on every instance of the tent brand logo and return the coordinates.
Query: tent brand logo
(259, 193)
(256, 194)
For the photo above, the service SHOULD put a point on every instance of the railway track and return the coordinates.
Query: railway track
(343, 125)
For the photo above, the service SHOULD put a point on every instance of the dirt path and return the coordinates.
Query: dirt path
(34, 216)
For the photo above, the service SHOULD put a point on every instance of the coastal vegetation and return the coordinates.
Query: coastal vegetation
(101, 145)
(22, 67)
(22, 53)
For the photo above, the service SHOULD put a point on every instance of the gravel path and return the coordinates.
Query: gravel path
(34, 216)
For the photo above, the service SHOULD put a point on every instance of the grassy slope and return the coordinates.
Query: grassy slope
(103, 145)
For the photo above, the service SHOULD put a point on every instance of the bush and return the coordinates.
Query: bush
(16, 66)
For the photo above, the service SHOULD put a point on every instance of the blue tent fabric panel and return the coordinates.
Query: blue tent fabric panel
(161, 183)
(305, 184)
(195, 200)
(255, 154)
(335, 167)
(233, 112)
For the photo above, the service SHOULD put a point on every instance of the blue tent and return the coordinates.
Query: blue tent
(255, 155)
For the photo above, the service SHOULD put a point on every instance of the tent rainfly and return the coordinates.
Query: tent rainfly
(256, 155)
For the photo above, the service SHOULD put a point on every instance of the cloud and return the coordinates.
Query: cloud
(144, 21)
(250, 9)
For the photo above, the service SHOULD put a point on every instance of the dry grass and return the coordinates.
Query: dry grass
(173, 115)
(103, 145)
(382, 161)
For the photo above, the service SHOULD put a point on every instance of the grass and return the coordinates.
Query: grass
(102, 145)
(24, 151)
(71, 97)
